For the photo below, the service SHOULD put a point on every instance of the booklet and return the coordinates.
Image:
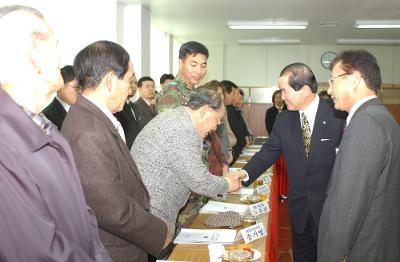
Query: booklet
(206, 236)
(213, 207)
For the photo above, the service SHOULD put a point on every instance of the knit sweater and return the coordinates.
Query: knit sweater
(168, 155)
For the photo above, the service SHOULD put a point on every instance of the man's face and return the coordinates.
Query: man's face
(340, 89)
(69, 92)
(278, 100)
(192, 69)
(148, 90)
(47, 59)
(231, 98)
(122, 88)
(294, 100)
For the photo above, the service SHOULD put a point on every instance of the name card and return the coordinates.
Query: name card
(262, 190)
(259, 208)
(266, 179)
(253, 232)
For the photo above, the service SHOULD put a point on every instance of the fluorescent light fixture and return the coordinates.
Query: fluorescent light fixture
(356, 41)
(377, 24)
(267, 25)
(269, 41)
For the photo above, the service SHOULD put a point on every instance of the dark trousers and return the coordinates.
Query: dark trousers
(236, 151)
(304, 244)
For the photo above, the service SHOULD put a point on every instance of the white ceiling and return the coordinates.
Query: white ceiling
(206, 20)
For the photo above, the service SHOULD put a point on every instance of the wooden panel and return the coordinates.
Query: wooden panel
(395, 110)
(255, 118)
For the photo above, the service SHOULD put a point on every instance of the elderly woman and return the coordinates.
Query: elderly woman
(168, 154)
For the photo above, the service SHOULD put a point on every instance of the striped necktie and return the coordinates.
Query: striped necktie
(306, 131)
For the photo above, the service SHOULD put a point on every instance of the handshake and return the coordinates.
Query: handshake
(234, 179)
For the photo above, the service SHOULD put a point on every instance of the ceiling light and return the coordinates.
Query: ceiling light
(269, 41)
(380, 24)
(267, 24)
(356, 41)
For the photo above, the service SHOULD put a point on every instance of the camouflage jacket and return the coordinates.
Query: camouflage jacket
(176, 94)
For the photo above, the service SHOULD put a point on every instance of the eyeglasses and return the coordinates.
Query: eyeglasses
(332, 79)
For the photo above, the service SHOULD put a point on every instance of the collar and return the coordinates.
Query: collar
(64, 105)
(357, 106)
(312, 108)
(105, 110)
(280, 108)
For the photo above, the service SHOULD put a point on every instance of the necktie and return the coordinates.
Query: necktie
(153, 109)
(306, 131)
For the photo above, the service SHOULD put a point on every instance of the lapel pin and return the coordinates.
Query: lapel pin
(324, 122)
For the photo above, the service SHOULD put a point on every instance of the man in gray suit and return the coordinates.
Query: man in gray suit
(111, 181)
(360, 220)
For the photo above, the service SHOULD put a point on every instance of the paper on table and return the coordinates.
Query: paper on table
(243, 191)
(205, 236)
(241, 161)
(213, 207)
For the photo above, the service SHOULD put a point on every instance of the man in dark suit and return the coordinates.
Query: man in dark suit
(144, 107)
(66, 96)
(235, 119)
(360, 220)
(277, 107)
(128, 119)
(307, 135)
(111, 181)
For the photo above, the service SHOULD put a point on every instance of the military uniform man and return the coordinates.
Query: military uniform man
(192, 69)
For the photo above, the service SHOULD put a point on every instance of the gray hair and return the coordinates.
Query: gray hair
(204, 96)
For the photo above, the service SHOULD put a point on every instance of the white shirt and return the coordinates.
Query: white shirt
(65, 105)
(311, 112)
(357, 106)
(110, 116)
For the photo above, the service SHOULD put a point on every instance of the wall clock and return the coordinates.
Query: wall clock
(327, 58)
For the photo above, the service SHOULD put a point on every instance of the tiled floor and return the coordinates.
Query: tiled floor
(285, 235)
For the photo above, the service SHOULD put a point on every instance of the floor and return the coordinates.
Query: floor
(285, 235)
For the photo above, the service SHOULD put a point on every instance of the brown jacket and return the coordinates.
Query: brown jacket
(112, 185)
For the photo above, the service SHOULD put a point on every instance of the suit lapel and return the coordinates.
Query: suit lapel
(297, 133)
(322, 121)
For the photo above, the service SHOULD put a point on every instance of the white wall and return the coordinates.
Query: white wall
(258, 67)
(76, 23)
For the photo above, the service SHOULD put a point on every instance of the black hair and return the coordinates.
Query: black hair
(165, 77)
(192, 48)
(228, 86)
(363, 62)
(96, 60)
(68, 73)
(142, 79)
(299, 75)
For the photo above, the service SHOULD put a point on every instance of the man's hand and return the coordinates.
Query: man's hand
(234, 180)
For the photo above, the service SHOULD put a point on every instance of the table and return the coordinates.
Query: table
(199, 253)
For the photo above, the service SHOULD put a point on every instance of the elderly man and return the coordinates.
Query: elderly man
(192, 69)
(168, 154)
(111, 181)
(307, 135)
(43, 213)
(360, 220)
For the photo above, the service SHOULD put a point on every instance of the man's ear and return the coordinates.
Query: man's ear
(109, 81)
